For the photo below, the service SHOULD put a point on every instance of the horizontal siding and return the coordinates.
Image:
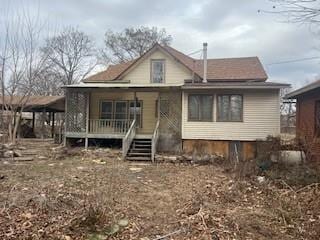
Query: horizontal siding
(175, 73)
(148, 108)
(261, 118)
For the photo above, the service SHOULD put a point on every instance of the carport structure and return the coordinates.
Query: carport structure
(36, 104)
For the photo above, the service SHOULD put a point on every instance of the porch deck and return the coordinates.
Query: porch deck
(106, 129)
(131, 114)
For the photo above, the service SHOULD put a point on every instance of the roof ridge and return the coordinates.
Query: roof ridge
(178, 51)
(237, 66)
(226, 58)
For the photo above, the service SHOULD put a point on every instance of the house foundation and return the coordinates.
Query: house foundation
(245, 150)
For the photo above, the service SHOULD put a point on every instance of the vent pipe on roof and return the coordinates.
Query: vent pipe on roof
(205, 45)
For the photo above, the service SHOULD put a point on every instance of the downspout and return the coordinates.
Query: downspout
(205, 62)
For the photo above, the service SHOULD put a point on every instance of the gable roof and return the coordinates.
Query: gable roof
(303, 90)
(225, 69)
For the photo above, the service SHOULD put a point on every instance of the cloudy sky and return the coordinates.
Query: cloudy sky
(231, 28)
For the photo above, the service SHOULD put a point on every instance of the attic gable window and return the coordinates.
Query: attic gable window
(157, 71)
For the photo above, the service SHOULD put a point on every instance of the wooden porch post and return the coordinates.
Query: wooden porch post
(33, 120)
(135, 105)
(52, 126)
(65, 117)
(86, 144)
(42, 122)
(158, 106)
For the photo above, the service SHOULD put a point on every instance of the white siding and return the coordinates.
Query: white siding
(174, 71)
(261, 117)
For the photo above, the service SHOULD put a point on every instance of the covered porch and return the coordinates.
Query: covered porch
(110, 112)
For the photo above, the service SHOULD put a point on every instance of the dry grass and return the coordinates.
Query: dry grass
(88, 194)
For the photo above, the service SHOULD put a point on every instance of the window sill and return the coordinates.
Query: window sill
(230, 121)
(201, 121)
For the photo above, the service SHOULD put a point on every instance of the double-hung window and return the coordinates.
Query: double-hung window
(157, 71)
(200, 107)
(121, 110)
(230, 108)
(106, 110)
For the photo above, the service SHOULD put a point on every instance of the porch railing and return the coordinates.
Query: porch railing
(155, 138)
(127, 140)
(105, 126)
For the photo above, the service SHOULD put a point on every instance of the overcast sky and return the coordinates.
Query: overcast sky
(232, 28)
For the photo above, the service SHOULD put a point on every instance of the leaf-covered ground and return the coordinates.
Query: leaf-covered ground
(94, 195)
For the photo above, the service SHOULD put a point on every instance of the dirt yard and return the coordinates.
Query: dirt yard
(89, 196)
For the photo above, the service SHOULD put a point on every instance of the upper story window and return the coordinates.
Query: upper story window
(230, 108)
(157, 71)
(200, 107)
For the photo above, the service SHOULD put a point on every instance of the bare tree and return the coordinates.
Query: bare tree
(21, 63)
(132, 43)
(298, 11)
(71, 54)
(48, 83)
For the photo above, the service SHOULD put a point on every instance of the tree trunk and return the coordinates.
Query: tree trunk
(15, 129)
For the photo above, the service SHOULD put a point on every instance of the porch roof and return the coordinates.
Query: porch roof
(236, 85)
(124, 85)
(184, 86)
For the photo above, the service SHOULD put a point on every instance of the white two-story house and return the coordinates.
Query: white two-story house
(167, 101)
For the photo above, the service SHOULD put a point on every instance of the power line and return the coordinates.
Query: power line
(195, 52)
(293, 61)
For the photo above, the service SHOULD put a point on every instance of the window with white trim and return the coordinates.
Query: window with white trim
(106, 110)
(157, 71)
(121, 110)
(230, 108)
(200, 107)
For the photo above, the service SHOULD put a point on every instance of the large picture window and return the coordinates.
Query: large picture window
(230, 108)
(121, 110)
(200, 107)
(157, 71)
(317, 119)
